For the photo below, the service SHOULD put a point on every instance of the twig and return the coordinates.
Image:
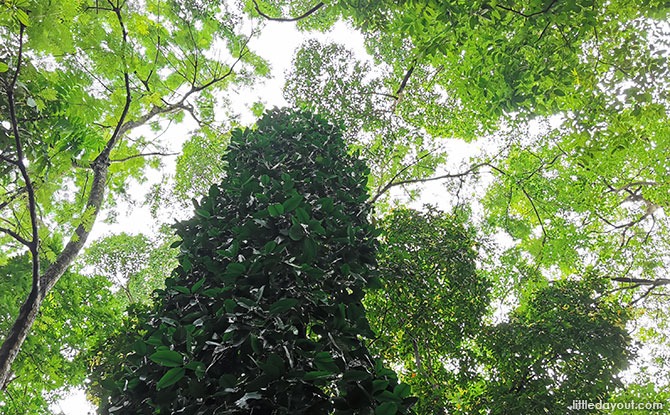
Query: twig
(155, 153)
(288, 19)
(546, 9)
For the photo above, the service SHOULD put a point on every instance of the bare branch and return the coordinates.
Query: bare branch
(643, 281)
(155, 153)
(643, 296)
(393, 183)
(288, 19)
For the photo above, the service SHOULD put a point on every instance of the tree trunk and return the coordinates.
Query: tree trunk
(30, 308)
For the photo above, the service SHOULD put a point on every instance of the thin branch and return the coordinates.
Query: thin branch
(537, 214)
(16, 236)
(527, 16)
(643, 281)
(155, 153)
(393, 183)
(643, 296)
(288, 19)
(8, 160)
(33, 245)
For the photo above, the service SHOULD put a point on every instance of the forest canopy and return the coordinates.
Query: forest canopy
(536, 276)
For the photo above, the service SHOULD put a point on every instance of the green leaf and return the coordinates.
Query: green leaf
(309, 249)
(318, 374)
(276, 210)
(171, 377)
(203, 213)
(3, 67)
(282, 305)
(269, 247)
(22, 17)
(167, 358)
(402, 390)
(387, 408)
(292, 203)
(296, 232)
(228, 381)
(379, 385)
(235, 269)
(198, 285)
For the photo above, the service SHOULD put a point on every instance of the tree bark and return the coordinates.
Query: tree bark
(30, 308)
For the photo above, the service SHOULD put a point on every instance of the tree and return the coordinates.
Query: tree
(134, 264)
(564, 342)
(432, 304)
(264, 313)
(76, 79)
(569, 99)
(78, 315)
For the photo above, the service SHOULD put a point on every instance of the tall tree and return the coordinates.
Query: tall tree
(571, 101)
(263, 315)
(75, 317)
(76, 79)
(570, 97)
(432, 304)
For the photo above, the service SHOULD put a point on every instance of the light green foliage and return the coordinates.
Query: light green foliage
(77, 79)
(647, 394)
(200, 165)
(79, 314)
(72, 96)
(329, 79)
(134, 264)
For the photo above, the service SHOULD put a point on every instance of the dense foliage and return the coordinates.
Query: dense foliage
(562, 107)
(432, 303)
(264, 314)
(77, 81)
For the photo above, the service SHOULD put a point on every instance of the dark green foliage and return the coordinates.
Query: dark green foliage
(562, 343)
(263, 315)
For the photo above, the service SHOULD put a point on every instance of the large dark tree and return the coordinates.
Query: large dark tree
(263, 315)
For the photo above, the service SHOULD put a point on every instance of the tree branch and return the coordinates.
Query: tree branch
(16, 236)
(405, 79)
(28, 311)
(288, 19)
(527, 16)
(393, 183)
(155, 153)
(643, 281)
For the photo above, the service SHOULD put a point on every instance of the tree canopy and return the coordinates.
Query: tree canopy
(538, 277)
